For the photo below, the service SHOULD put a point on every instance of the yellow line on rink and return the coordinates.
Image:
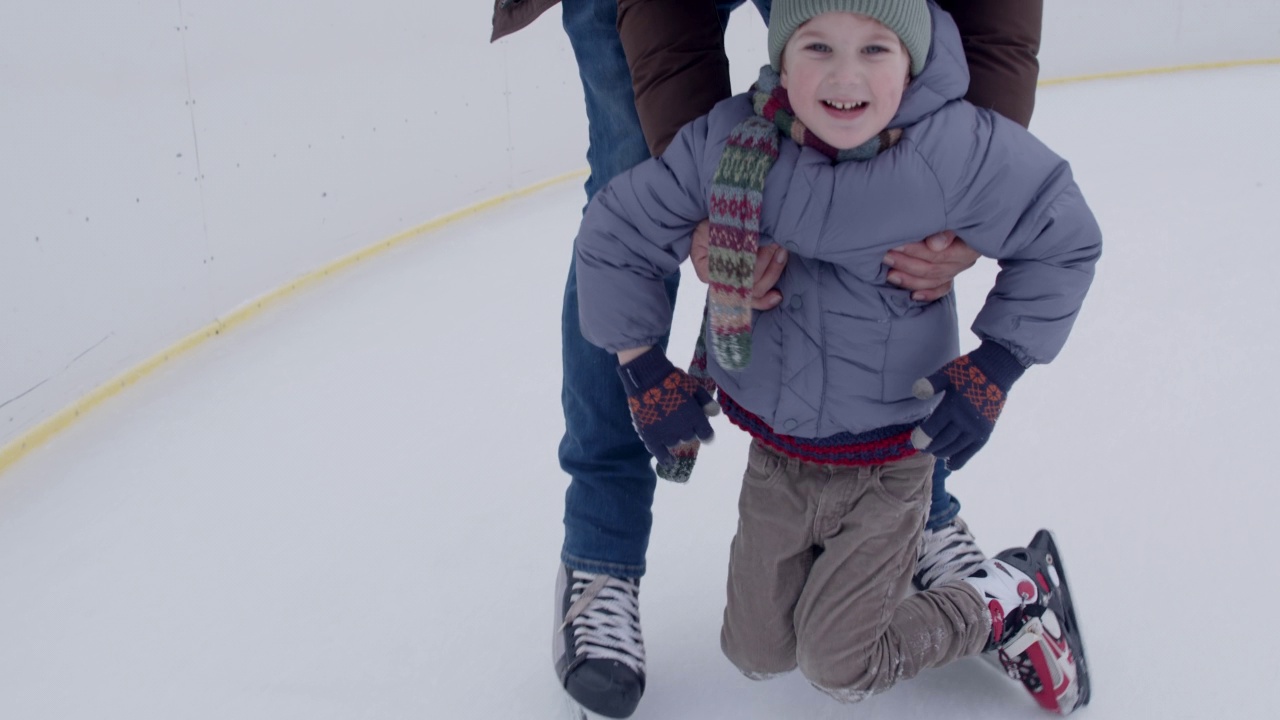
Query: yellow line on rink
(59, 421)
(1158, 71)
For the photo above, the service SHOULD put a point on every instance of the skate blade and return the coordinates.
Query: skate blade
(574, 711)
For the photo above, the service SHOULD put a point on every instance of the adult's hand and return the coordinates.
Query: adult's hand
(770, 262)
(928, 267)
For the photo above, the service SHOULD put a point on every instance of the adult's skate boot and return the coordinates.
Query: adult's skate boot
(597, 646)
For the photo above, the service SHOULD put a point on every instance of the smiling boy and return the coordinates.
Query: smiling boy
(854, 141)
(845, 75)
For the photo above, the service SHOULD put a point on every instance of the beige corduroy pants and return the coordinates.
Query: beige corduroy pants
(820, 577)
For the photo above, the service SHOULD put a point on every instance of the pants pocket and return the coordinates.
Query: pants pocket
(905, 483)
(764, 466)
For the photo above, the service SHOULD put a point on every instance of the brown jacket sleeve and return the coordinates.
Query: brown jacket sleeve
(675, 49)
(1001, 40)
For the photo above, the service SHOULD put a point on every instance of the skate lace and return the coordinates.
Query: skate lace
(605, 615)
(947, 555)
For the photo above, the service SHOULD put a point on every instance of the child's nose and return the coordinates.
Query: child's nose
(849, 73)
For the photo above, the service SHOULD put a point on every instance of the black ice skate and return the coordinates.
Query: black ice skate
(1047, 652)
(597, 646)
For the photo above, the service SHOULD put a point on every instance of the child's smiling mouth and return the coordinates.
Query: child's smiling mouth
(840, 108)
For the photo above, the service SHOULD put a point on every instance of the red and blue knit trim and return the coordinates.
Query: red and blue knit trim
(874, 447)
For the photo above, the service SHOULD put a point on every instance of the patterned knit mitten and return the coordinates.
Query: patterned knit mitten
(668, 407)
(976, 386)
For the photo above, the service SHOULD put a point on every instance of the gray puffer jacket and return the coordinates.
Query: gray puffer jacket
(842, 350)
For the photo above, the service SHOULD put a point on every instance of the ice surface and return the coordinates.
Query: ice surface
(350, 507)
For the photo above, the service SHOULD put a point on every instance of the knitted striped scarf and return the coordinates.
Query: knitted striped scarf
(737, 194)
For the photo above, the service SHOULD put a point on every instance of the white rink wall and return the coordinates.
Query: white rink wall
(165, 162)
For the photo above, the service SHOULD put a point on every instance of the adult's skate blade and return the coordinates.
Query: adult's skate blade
(574, 711)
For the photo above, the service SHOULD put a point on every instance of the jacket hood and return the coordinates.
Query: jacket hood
(945, 76)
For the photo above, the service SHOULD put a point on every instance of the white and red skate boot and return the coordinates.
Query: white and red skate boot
(1034, 629)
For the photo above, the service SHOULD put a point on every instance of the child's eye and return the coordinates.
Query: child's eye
(875, 49)
(818, 47)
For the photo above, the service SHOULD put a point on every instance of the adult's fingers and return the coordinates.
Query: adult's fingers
(771, 260)
(926, 271)
(938, 242)
(942, 248)
(700, 250)
(768, 301)
(933, 293)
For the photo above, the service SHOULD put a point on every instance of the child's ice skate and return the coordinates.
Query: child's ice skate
(1034, 629)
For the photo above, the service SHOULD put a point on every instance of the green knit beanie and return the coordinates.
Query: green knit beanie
(908, 18)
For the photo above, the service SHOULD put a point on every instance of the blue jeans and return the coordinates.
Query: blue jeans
(608, 505)
(943, 506)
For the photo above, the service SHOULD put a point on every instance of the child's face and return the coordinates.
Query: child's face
(845, 75)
